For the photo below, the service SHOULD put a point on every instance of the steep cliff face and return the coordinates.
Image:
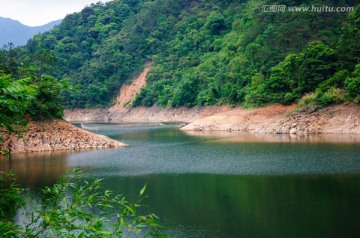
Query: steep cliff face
(56, 135)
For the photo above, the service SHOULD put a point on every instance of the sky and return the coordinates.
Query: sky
(40, 12)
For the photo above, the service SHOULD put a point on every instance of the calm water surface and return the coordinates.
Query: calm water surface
(222, 184)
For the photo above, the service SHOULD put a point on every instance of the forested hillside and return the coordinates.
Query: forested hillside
(207, 52)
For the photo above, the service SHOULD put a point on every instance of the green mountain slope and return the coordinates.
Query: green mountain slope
(207, 52)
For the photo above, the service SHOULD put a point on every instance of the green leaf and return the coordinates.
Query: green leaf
(142, 191)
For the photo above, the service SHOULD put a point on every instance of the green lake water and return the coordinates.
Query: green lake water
(221, 184)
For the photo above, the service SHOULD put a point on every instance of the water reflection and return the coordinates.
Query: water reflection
(37, 169)
(196, 205)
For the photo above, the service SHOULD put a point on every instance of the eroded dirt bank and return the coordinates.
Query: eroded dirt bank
(56, 135)
(277, 119)
(142, 114)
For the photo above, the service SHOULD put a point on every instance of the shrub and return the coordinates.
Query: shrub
(75, 207)
(321, 99)
(10, 202)
(352, 84)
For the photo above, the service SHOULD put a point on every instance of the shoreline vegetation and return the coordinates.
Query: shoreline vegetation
(305, 118)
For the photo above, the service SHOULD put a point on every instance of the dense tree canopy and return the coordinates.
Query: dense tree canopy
(204, 52)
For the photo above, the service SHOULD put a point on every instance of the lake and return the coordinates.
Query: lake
(223, 184)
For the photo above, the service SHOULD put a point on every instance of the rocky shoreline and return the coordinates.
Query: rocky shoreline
(274, 119)
(56, 135)
(278, 119)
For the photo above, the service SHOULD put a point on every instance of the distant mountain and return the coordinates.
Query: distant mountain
(18, 33)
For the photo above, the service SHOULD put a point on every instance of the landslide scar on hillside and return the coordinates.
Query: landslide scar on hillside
(128, 92)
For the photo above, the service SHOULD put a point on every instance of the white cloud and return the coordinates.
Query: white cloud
(40, 12)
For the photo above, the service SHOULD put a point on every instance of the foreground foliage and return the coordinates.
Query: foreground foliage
(74, 207)
(10, 202)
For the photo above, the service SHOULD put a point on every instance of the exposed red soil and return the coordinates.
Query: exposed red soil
(128, 92)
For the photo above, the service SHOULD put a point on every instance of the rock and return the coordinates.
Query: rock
(56, 135)
(293, 130)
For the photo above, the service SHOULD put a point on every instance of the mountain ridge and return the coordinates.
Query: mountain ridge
(13, 31)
